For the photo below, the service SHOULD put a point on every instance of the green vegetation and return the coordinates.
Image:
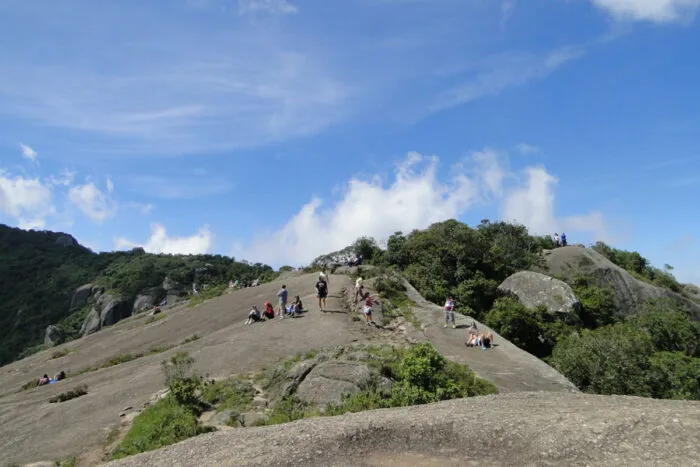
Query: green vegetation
(653, 353)
(67, 462)
(68, 395)
(420, 375)
(395, 301)
(206, 294)
(60, 353)
(40, 276)
(171, 419)
(640, 267)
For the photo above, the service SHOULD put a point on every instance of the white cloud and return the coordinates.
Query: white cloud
(526, 149)
(532, 204)
(27, 200)
(415, 199)
(284, 7)
(65, 178)
(94, 203)
(160, 242)
(28, 152)
(141, 207)
(110, 185)
(658, 11)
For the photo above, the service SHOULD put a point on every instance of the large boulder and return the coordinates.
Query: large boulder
(109, 309)
(82, 294)
(172, 289)
(52, 336)
(328, 382)
(534, 289)
(147, 298)
(628, 292)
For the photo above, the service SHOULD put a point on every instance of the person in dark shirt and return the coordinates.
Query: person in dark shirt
(322, 292)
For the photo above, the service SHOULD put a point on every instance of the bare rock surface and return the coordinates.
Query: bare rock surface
(508, 367)
(629, 292)
(534, 289)
(532, 429)
(33, 430)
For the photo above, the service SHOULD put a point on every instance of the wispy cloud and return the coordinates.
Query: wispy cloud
(284, 7)
(93, 202)
(28, 152)
(657, 11)
(178, 187)
(526, 149)
(507, 10)
(502, 72)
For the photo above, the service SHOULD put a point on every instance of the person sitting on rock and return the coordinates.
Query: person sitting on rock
(368, 309)
(60, 376)
(43, 380)
(486, 340)
(269, 312)
(295, 308)
(253, 316)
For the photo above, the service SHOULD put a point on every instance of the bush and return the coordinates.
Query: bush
(669, 327)
(674, 375)
(515, 322)
(597, 303)
(609, 360)
(178, 366)
(166, 422)
(68, 395)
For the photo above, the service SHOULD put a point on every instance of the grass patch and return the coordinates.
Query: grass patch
(395, 302)
(67, 462)
(235, 393)
(61, 353)
(166, 422)
(192, 338)
(289, 409)
(207, 294)
(68, 395)
(154, 318)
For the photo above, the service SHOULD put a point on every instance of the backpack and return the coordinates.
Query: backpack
(322, 286)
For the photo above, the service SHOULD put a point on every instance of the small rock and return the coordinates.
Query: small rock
(250, 418)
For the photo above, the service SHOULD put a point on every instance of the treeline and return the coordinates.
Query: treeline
(39, 274)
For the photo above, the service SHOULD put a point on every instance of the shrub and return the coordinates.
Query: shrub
(166, 422)
(669, 327)
(674, 375)
(609, 360)
(515, 322)
(178, 366)
(597, 304)
(68, 395)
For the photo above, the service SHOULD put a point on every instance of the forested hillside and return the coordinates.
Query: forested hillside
(40, 271)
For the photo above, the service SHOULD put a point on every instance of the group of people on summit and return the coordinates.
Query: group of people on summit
(296, 308)
(559, 241)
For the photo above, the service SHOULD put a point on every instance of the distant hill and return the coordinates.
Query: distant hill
(41, 270)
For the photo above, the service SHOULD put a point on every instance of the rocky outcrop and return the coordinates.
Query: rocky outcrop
(82, 294)
(534, 289)
(108, 310)
(329, 381)
(65, 240)
(629, 292)
(172, 290)
(148, 298)
(51, 336)
(692, 291)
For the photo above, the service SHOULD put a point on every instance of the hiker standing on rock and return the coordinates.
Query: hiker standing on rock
(358, 289)
(282, 295)
(557, 241)
(450, 312)
(322, 291)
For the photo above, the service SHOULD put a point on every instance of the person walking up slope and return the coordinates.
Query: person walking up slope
(322, 291)
(450, 312)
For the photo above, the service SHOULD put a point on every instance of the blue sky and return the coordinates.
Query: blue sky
(277, 130)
